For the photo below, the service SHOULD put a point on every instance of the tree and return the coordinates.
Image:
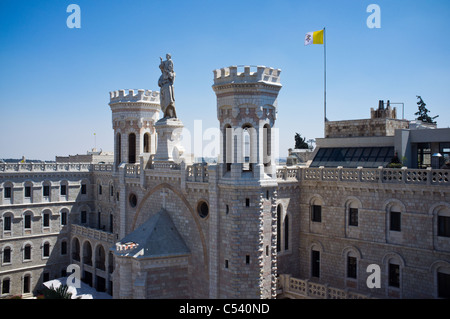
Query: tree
(57, 293)
(300, 142)
(423, 112)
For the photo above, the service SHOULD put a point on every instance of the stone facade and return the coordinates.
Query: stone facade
(247, 224)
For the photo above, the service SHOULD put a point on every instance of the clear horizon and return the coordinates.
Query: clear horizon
(55, 81)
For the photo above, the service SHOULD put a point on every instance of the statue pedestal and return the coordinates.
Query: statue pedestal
(169, 150)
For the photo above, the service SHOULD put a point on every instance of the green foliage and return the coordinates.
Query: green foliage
(423, 112)
(300, 142)
(57, 293)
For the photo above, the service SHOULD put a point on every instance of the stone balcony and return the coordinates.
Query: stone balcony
(422, 177)
(93, 233)
(294, 288)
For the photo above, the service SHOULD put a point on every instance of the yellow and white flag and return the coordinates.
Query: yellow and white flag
(315, 37)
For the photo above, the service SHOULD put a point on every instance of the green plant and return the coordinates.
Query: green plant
(57, 293)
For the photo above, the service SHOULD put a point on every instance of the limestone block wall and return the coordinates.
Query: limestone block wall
(163, 189)
(416, 248)
(47, 231)
(364, 127)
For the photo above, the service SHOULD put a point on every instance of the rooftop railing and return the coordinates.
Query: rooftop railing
(367, 175)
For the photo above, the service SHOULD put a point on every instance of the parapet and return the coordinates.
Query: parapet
(125, 96)
(249, 74)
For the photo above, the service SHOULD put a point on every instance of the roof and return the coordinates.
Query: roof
(157, 237)
(352, 157)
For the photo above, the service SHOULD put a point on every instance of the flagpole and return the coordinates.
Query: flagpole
(324, 77)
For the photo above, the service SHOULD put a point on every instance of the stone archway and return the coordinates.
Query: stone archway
(188, 206)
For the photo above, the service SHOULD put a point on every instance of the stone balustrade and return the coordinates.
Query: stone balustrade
(53, 167)
(295, 288)
(132, 170)
(93, 233)
(197, 173)
(368, 175)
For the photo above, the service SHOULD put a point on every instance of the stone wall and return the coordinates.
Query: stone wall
(364, 127)
(416, 248)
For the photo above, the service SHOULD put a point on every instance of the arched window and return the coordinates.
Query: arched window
(76, 249)
(27, 252)
(131, 148)
(7, 222)
(46, 250)
(247, 141)
(286, 232)
(26, 284)
(63, 189)
(316, 210)
(46, 219)
(63, 217)
(279, 228)
(146, 143)
(8, 193)
(27, 216)
(6, 255)
(87, 253)
(118, 152)
(227, 147)
(267, 145)
(100, 258)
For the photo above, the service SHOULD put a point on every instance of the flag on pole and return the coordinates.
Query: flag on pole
(315, 37)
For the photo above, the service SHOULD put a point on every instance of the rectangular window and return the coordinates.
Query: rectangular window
(443, 285)
(27, 223)
(353, 217)
(46, 191)
(316, 213)
(27, 191)
(395, 221)
(394, 275)
(46, 220)
(423, 155)
(83, 189)
(99, 189)
(5, 286)
(444, 226)
(27, 253)
(247, 259)
(226, 263)
(247, 202)
(7, 192)
(7, 223)
(7, 255)
(26, 284)
(351, 267)
(46, 250)
(63, 248)
(83, 217)
(63, 218)
(315, 263)
(63, 190)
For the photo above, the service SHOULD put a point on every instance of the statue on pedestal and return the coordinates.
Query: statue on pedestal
(165, 82)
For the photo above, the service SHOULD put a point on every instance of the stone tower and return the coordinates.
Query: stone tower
(133, 117)
(246, 110)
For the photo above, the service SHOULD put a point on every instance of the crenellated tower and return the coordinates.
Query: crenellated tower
(247, 110)
(134, 114)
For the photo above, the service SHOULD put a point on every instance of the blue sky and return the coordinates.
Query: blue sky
(55, 81)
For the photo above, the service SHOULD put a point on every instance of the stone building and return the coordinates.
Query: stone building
(154, 224)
